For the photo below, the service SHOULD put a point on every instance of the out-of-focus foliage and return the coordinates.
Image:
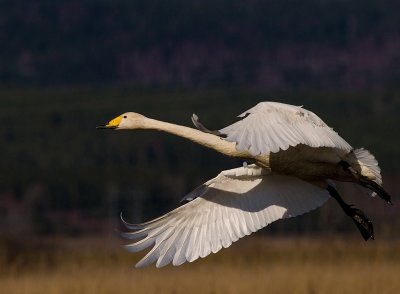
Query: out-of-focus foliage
(290, 265)
(270, 44)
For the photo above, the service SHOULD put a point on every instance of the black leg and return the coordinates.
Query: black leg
(362, 222)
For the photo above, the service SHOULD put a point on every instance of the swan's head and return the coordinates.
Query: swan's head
(128, 120)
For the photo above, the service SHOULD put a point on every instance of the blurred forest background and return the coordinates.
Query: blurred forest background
(66, 67)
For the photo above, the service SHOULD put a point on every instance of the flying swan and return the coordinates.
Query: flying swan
(295, 159)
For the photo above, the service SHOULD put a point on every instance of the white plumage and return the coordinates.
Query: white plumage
(295, 157)
(272, 126)
(236, 203)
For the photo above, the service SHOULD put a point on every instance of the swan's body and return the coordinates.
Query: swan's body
(295, 157)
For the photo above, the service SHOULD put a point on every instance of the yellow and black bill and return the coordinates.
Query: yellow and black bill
(112, 124)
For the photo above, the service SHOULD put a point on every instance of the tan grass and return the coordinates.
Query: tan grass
(257, 265)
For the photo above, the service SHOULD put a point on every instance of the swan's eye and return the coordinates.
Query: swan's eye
(124, 116)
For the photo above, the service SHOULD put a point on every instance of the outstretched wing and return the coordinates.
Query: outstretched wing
(234, 204)
(271, 126)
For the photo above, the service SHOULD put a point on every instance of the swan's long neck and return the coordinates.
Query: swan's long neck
(205, 139)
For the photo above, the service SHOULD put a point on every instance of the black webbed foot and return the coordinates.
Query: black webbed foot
(362, 222)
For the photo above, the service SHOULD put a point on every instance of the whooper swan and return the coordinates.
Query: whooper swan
(294, 156)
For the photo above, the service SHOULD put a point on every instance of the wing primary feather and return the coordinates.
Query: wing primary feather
(154, 253)
(134, 235)
(140, 245)
(202, 242)
(168, 251)
(180, 255)
(227, 239)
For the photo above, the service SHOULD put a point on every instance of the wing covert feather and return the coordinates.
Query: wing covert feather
(272, 126)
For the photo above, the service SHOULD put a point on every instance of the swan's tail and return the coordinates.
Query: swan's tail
(369, 165)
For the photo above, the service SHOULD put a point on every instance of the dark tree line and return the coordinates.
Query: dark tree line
(270, 44)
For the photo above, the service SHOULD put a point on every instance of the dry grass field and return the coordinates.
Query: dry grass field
(253, 265)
